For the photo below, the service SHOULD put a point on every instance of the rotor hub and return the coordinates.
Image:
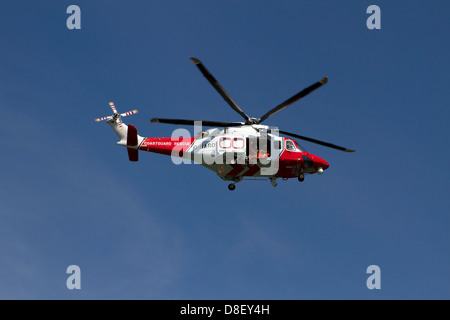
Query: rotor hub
(251, 121)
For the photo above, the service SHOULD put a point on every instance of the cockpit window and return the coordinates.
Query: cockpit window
(294, 146)
(290, 146)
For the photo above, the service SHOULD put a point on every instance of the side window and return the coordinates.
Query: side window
(225, 143)
(238, 143)
(277, 145)
(290, 146)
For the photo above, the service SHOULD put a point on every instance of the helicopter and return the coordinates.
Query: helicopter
(235, 151)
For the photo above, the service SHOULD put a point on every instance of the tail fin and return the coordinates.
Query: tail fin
(132, 142)
(127, 134)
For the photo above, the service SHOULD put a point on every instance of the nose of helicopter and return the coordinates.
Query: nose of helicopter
(319, 162)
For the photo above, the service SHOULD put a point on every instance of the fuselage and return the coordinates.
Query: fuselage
(237, 153)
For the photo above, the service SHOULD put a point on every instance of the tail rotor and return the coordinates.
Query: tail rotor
(127, 133)
(116, 116)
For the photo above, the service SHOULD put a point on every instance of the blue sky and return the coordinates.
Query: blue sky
(154, 230)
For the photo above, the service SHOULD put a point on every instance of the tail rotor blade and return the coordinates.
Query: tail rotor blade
(129, 113)
(113, 107)
(103, 118)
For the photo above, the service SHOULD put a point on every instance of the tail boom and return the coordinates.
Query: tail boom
(168, 146)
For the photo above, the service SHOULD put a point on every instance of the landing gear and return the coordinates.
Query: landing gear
(231, 186)
(301, 177)
(273, 181)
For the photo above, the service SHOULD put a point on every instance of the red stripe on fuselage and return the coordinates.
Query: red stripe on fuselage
(252, 170)
(237, 168)
(167, 146)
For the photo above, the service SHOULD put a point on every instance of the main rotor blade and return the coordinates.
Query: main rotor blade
(220, 89)
(322, 143)
(193, 122)
(293, 99)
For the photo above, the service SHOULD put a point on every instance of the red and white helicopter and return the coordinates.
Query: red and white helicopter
(236, 151)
